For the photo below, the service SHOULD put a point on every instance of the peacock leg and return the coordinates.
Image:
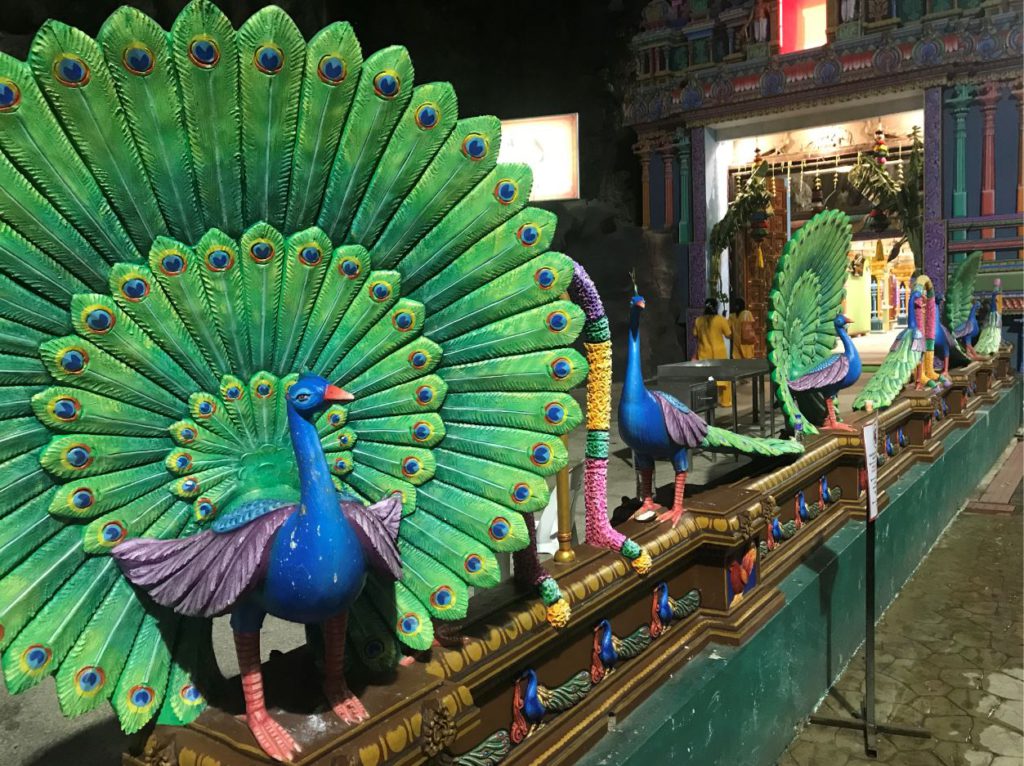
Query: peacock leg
(830, 420)
(676, 513)
(271, 736)
(344, 703)
(645, 476)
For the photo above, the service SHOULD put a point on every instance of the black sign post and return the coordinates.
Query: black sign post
(866, 721)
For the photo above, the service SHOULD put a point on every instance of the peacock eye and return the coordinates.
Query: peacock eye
(474, 146)
(331, 69)
(10, 95)
(387, 84)
(302, 397)
(427, 116)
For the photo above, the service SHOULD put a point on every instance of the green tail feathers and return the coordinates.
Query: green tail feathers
(724, 440)
(188, 220)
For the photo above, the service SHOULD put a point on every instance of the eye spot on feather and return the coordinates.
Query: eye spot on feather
(74, 361)
(344, 440)
(71, 70)
(232, 393)
(182, 461)
(422, 431)
(205, 408)
(557, 321)
(219, 259)
(409, 624)
(268, 59)
(112, 532)
(36, 658)
(99, 320)
(135, 289)
(138, 59)
(204, 52)
(311, 255)
(418, 359)
(521, 493)
(410, 466)
(341, 465)
(442, 598)
(425, 394)
(186, 434)
(473, 563)
(332, 69)
(190, 695)
(81, 499)
(373, 648)
(554, 413)
(78, 456)
(263, 390)
(350, 268)
(387, 84)
(403, 321)
(544, 278)
(141, 697)
(475, 146)
(172, 264)
(528, 234)
(261, 251)
(499, 528)
(10, 95)
(561, 368)
(204, 508)
(540, 454)
(188, 485)
(66, 409)
(89, 680)
(506, 191)
(427, 116)
(380, 291)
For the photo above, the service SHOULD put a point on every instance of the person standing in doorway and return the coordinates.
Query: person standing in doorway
(711, 330)
(741, 322)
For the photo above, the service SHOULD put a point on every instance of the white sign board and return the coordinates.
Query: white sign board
(550, 146)
(870, 437)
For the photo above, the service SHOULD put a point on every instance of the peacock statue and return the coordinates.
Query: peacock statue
(805, 320)
(657, 426)
(960, 313)
(266, 308)
(909, 352)
(991, 336)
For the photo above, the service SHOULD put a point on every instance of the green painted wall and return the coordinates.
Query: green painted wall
(740, 705)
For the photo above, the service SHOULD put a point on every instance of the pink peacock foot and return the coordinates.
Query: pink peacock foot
(647, 511)
(272, 736)
(672, 517)
(346, 705)
(837, 426)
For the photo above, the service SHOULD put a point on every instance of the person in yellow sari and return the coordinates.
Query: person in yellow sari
(711, 330)
(742, 323)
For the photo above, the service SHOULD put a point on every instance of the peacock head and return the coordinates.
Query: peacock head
(310, 392)
(637, 303)
(841, 322)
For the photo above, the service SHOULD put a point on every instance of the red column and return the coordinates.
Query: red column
(667, 157)
(988, 97)
(1017, 91)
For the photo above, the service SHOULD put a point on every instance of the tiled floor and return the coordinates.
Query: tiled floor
(949, 655)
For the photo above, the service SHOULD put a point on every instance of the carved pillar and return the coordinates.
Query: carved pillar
(960, 103)
(685, 216)
(643, 154)
(668, 156)
(698, 245)
(988, 97)
(1017, 92)
(934, 231)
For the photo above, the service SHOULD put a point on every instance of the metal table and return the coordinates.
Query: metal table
(732, 371)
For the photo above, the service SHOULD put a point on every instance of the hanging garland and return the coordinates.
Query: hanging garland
(901, 198)
(750, 210)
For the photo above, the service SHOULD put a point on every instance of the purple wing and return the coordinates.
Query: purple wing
(685, 427)
(202, 575)
(377, 529)
(828, 373)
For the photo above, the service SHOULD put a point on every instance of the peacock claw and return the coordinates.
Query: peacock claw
(672, 516)
(647, 510)
(347, 706)
(272, 736)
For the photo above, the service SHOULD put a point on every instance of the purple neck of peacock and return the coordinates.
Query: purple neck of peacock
(319, 497)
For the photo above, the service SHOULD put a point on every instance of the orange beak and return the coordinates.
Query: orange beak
(642, 304)
(335, 394)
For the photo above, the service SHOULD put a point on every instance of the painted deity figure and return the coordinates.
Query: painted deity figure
(847, 10)
(760, 20)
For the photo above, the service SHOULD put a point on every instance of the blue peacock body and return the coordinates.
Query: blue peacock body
(197, 227)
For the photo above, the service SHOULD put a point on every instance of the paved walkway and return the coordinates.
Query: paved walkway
(949, 651)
